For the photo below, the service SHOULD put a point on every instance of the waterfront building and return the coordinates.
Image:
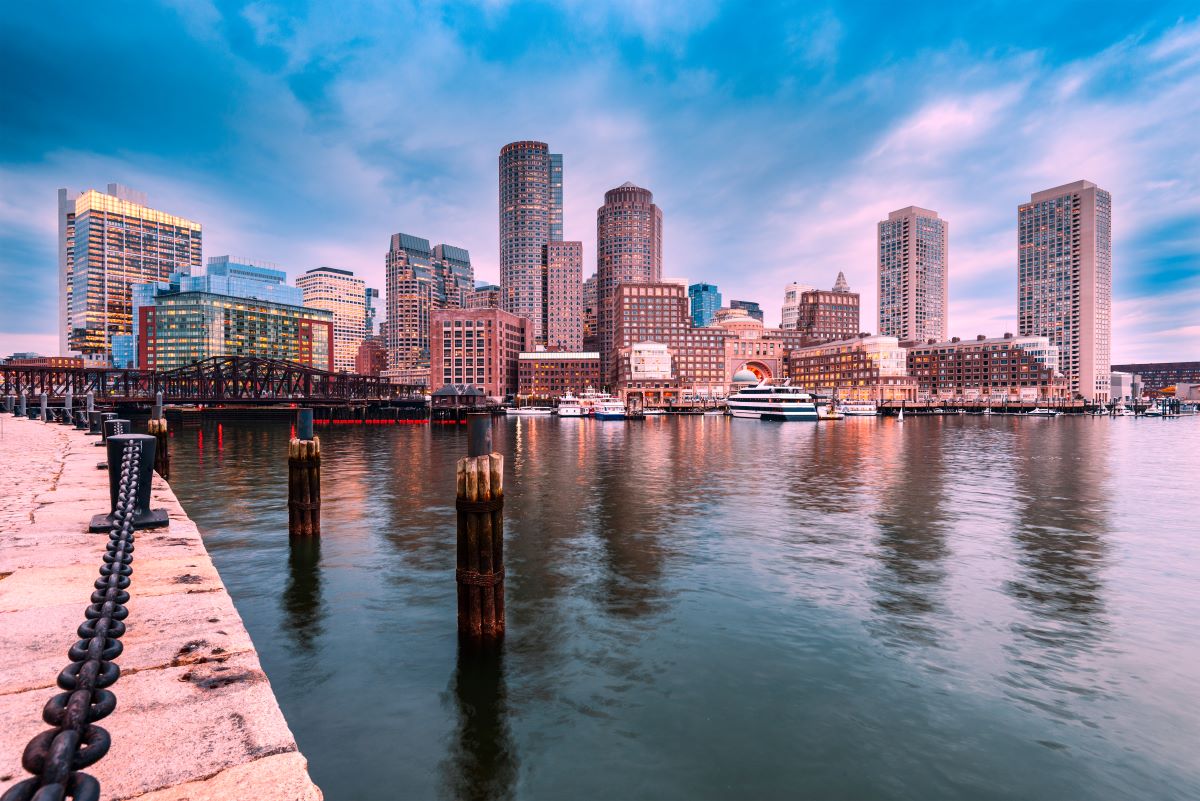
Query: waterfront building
(1064, 280)
(591, 340)
(183, 327)
(748, 348)
(913, 265)
(997, 369)
(1157, 376)
(480, 348)
(484, 296)
(415, 376)
(419, 280)
(34, 360)
(563, 311)
(548, 375)
(339, 292)
(705, 300)
(531, 181)
(1124, 387)
(371, 358)
(751, 308)
(828, 316)
(790, 313)
(865, 368)
(629, 250)
(108, 242)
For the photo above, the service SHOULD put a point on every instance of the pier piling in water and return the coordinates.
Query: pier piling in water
(304, 479)
(157, 428)
(480, 506)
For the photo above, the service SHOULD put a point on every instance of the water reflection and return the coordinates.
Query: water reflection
(482, 763)
(302, 594)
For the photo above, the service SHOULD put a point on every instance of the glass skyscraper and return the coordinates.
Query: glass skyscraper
(705, 299)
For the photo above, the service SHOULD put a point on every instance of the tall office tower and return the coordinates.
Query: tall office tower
(750, 307)
(563, 315)
(338, 291)
(629, 250)
(420, 279)
(530, 217)
(705, 300)
(590, 324)
(791, 304)
(913, 275)
(372, 299)
(829, 315)
(1064, 280)
(107, 243)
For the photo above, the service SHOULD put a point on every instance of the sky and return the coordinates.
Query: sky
(773, 135)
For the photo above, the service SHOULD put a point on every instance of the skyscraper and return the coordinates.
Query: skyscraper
(108, 243)
(828, 315)
(591, 336)
(420, 279)
(629, 249)
(1064, 280)
(791, 304)
(530, 217)
(750, 307)
(563, 313)
(913, 275)
(705, 300)
(338, 291)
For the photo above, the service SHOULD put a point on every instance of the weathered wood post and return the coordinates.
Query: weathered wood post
(157, 428)
(480, 506)
(304, 479)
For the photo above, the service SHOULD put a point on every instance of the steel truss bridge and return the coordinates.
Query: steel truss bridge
(219, 380)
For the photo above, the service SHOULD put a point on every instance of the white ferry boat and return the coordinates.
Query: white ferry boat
(568, 406)
(773, 402)
(609, 409)
(531, 410)
(858, 409)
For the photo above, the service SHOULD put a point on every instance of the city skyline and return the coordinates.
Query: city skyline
(972, 145)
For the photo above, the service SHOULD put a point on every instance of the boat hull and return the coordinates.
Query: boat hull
(610, 415)
(776, 415)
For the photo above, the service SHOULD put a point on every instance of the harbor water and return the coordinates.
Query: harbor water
(706, 608)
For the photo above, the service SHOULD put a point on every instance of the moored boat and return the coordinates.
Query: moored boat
(773, 402)
(531, 410)
(858, 409)
(568, 406)
(1042, 411)
(609, 409)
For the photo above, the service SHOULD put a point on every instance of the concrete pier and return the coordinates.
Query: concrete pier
(196, 718)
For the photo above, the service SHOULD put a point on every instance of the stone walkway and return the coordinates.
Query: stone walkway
(196, 718)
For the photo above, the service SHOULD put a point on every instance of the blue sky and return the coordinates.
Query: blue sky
(774, 135)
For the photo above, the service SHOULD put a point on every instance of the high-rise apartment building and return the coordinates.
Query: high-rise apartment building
(339, 292)
(629, 250)
(591, 334)
(563, 314)
(705, 300)
(421, 279)
(107, 243)
(1064, 280)
(791, 304)
(829, 315)
(750, 307)
(913, 275)
(531, 181)
(484, 296)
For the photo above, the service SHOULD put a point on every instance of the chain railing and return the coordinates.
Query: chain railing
(57, 756)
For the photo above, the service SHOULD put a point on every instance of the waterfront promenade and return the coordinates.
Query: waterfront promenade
(196, 717)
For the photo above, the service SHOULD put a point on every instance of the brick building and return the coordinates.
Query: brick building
(861, 369)
(999, 368)
(478, 347)
(550, 375)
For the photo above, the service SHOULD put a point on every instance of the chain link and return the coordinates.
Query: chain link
(56, 756)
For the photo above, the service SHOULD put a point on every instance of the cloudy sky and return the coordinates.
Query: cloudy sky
(772, 138)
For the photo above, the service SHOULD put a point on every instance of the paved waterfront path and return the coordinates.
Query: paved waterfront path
(196, 718)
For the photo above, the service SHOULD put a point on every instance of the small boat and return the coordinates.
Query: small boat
(828, 412)
(1153, 411)
(938, 410)
(609, 409)
(858, 409)
(900, 417)
(714, 412)
(986, 411)
(1123, 412)
(531, 410)
(773, 402)
(652, 412)
(568, 406)
(1042, 412)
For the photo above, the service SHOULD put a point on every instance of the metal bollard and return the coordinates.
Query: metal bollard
(105, 417)
(143, 516)
(81, 420)
(95, 418)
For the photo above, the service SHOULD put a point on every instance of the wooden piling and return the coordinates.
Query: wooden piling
(304, 487)
(480, 573)
(162, 454)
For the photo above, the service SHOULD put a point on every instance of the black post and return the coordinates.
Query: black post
(95, 418)
(143, 515)
(479, 434)
(105, 417)
(9, 403)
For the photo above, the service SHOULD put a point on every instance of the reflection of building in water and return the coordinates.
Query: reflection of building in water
(911, 517)
(302, 595)
(482, 763)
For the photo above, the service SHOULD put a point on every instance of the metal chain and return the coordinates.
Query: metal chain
(56, 756)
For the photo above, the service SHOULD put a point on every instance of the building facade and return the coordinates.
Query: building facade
(371, 358)
(591, 325)
(1157, 376)
(531, 183)
(869, 368)
(35, 360)
(421, 279)
(1004, 368)
(484, 296)
(629, 250)
(914, 275)
(1064, 280)
(829, 316)
(563, 313)
(479, 348)
(108, 242)
(705, 300)
(790, 313)
(339, 292)
(546, 375)
(750, 307)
